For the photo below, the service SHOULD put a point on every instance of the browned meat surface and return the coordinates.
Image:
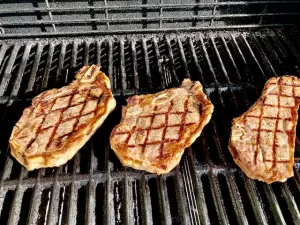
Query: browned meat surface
(156, 128)
(262, 140)
(61, 121)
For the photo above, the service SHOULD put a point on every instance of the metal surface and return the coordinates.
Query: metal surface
(72, 18)
(94, 188)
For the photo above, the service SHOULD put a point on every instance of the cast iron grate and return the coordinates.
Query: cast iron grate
(207, 187)
(69, 18)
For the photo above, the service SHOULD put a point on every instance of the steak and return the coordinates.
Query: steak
(262, 139)
(156, 128)
(61, 121)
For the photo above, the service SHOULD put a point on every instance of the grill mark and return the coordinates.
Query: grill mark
(289, 85)
(258, 134)
(291, 137)
(269, 117)
(183, 116)
(288, 96)
(161, 147)
(58, 123)
(274, 149)
(153, 143)
(148, 131)
(81, 110)
(280, 161)
(282, 106)
(163, 113)
(39, 128)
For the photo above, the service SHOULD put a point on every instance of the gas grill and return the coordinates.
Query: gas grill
(231, 47)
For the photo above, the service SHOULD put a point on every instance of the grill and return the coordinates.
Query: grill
(145, 48)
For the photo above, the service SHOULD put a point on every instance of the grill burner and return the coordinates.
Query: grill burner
(93, 187)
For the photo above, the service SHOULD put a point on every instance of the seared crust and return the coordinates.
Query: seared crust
(61, 121)
(156, 128)
(262, 140)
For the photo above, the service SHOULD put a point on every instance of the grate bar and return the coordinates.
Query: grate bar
(192, 49)
(35, 201)
(3, 50)
(86, 46)
(191, 201)
(98, 50)
(61, 60)
(290, 46)
(254, 57)
(291, 203)
(74, 54)
(53, 207)
(15, 207)
(7, 72)
(159, 61)
(263, 54)
(187, 73)
(135, 67)
(20, 72)
(165, 209)
(90, 204)
(35, 67)
(198, 191)
(122, 66)
(110, 64)
(146, 206)
(274, 204)
(179, 193)
(220, 208)
(73, 194)
(146, 61)
(48, 66)
(171, 59)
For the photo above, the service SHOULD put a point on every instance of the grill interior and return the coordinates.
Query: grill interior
(94, 187)
(145, 47)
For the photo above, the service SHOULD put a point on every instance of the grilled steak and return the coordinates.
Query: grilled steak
(263, 138)
(61, 121)
(156, 128)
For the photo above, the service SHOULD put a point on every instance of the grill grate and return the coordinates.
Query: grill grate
(94, 187)
(62, 18)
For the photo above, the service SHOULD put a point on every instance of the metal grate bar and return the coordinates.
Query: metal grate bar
(110, 64)
(3, 50)
(98, 50)
(135, 70)
(122, 65)
(86, 47)
(171, 59)
(35, 201)
(90, 204)
(190, 196)
(48, 66)
(146, 61)
(35, 67)
(146, 199)
(53, 205)
(159, 60)
(20, 72)
(165, 209)
(263, 54)
(181, 200)
(254, 57)
(7, 72)
(61, 60)
(195, 59)
(73, 194)
(15, 206)
(274, 204)
(218, 199)
(187, 74)
(291, 203)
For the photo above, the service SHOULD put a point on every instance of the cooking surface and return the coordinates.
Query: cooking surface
(207, 187)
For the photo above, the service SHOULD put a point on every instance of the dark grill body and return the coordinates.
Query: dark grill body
(231, 47)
